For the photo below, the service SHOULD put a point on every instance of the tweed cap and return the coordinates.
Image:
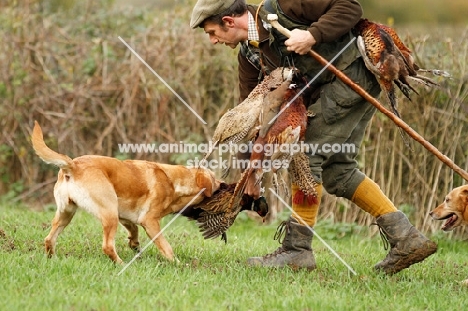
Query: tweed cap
(207, 8)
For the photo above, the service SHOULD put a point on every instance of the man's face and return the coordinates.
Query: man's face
(226, 34)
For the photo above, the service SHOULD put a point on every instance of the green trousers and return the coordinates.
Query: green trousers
(337, 131)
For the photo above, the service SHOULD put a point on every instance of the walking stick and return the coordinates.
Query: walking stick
(273, 19)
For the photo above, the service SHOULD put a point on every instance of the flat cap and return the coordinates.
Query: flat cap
(207, 8)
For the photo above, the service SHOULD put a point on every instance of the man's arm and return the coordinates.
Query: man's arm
(328, 19)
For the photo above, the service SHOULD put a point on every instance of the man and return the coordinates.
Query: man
(341, 114)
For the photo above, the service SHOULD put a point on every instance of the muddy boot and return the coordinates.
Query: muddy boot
(295, 250)
(408, 245)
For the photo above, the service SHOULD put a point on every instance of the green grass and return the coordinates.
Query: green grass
(211, 275)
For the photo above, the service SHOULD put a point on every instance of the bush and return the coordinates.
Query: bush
(89, 92)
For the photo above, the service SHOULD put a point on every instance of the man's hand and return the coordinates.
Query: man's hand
(301, 41)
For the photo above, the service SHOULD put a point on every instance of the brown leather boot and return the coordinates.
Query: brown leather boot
(408, 245)
(295, 250)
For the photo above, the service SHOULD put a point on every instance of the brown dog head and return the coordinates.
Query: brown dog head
(205, 178)
(454, 209)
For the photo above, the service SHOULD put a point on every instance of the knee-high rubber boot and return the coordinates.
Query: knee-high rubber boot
(295, 250)
(408, 245)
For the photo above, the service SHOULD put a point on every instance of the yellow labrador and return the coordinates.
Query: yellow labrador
(454, 209)
(131, 192)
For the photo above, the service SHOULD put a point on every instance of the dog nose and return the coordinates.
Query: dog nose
(430, 213)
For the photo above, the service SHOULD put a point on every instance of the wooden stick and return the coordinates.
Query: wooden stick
(273, 19)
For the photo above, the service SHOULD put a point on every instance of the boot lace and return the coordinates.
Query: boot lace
(280, 233)
(383, 236)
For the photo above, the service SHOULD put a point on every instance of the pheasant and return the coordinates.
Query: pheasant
(214, 215)
(288, 128)
(242, 123)
(390, 60)
(298, 162)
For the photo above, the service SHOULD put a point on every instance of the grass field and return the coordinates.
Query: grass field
(70, 71)
(211, 275)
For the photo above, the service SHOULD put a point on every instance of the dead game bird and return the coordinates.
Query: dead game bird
(241, 124)
(390, 60)
(214, 215)
(288, 128)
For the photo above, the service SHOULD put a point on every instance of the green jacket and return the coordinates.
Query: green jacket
(329, 21)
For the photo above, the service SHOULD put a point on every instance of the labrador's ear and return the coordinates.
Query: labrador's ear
(464, 197)
(204, 180)
(464, 193)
